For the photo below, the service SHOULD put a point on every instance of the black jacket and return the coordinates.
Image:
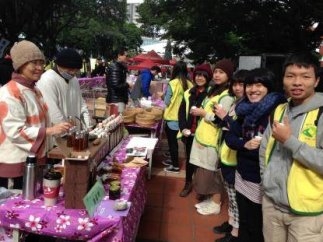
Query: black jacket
(116, 83)
(185, 121)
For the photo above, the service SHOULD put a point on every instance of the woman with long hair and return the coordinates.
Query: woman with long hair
(178, 84)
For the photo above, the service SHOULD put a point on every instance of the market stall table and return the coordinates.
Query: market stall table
(34, 217)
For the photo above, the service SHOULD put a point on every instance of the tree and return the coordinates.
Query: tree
(228, 28)
(96, 26)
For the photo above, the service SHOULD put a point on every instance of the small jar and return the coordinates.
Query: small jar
(78, 141)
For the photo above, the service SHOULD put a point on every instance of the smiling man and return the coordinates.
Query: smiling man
(291, 157)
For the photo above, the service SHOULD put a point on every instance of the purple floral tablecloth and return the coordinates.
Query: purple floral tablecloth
(33, 216)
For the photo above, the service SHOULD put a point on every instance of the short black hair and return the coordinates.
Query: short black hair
(238, 76)
(156, 68)
(302, 59)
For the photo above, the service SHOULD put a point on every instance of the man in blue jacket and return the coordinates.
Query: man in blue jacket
(142, 84)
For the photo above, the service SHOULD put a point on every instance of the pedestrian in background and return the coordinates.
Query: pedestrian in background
(118, 88)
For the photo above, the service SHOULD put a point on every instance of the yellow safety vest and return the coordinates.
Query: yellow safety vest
(304, 186)
(228, 156)
(171, 111)
(208, 133)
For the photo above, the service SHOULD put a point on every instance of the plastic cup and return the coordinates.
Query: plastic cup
(258, 137)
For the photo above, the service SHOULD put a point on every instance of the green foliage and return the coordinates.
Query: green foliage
(228, 28)
(96, 27)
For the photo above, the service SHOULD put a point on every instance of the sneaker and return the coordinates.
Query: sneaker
(167, 162)
(166, 154)
(172, 169)
(223, 228)
(228, 238)
(211, 208)
(203, 203)
(186, 190)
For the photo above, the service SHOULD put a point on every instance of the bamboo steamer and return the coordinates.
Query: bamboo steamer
(157, 112)
(145, 119)
(128, 116)
(135, 110)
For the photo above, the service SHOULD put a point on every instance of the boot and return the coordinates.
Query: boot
(186, 190)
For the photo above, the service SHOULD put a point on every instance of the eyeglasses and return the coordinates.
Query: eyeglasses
(39, 63)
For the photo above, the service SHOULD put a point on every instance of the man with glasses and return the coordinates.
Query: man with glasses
(61, 89)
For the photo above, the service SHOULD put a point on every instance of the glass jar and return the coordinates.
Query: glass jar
(78, 141)
(71, 137)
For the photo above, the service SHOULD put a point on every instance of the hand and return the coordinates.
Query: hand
(198, 112)
(281, 131)
(58, 129)
(219, 111)
(253, 144)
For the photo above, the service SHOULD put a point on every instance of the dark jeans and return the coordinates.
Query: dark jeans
(250, 220)
(190, 168)
(172, 144)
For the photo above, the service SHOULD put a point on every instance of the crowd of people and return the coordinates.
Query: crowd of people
(263, 148)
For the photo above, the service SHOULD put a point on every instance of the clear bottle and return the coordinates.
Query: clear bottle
(30, 178)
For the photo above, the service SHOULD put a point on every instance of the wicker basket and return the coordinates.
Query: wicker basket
(128, 116)
(145, 120)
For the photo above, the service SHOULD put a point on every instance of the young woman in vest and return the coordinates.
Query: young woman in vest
(178, 84)
(193, 97)
(204, 154)
(229, 160)
(244, 136)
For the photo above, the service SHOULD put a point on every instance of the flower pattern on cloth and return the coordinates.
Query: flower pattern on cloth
(33, 216)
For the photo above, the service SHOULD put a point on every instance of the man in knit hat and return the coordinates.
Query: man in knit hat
(61, 89)
(23, 118)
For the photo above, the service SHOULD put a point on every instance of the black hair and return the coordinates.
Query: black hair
(263, 76)
(238, 76)
(302, 59)
(180, 72)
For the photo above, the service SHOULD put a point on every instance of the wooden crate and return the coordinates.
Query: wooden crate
(80, 174)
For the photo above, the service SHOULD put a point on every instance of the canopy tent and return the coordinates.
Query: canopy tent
(146, 64)
(151, 55)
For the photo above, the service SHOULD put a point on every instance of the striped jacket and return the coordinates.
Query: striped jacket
(23, 122)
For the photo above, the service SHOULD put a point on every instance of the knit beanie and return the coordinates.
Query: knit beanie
(225, 65)
(23, 52)
(203, 69)
(69, 58)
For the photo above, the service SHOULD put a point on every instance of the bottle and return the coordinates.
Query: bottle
(29, 180)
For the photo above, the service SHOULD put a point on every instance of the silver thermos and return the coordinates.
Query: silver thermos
(30, 178)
